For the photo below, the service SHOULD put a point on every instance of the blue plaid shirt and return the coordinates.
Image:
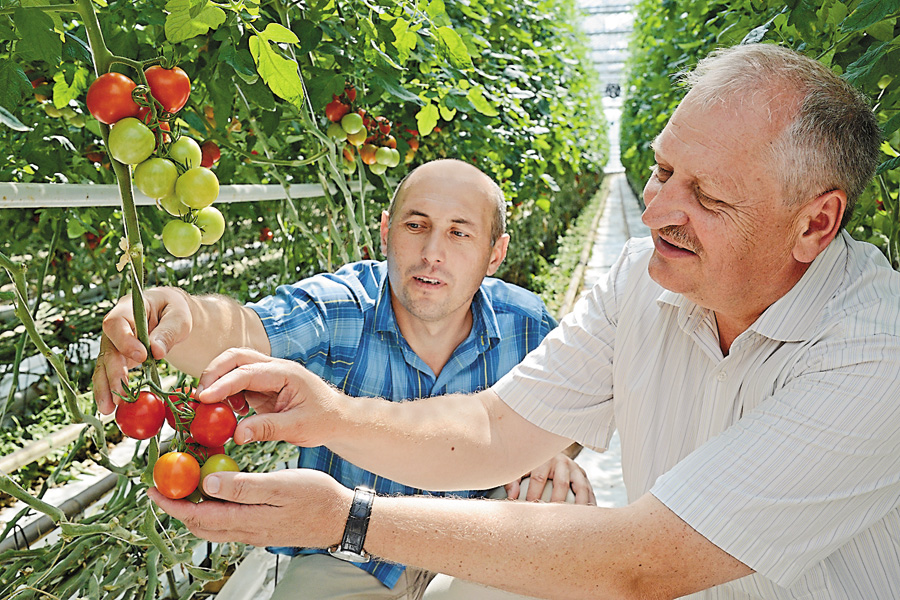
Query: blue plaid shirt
(342, 327)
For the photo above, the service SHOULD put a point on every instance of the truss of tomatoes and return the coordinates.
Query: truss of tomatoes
(370, 136)
(174, 173)
(201, 433)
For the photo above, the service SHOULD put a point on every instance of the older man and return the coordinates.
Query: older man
(425, 322)
(748, 353)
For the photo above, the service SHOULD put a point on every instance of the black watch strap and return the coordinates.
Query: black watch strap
(351, 546)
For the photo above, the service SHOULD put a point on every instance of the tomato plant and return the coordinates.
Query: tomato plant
(143, 418)
(109, 98)
(184, 408)
(186, 152)
(213, 424)
(171, 87)
(176, 475)
(130, 141)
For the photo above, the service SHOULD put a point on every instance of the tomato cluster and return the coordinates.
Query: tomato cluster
(174, 173)
(370, 136)
(201, 433)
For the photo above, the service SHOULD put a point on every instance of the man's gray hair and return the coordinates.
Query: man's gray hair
(498, 223)
(833, 141)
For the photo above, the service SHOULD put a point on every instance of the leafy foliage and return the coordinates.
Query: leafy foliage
(859, 40)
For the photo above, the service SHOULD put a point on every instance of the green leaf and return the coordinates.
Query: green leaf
(74, 229)
(13, 83)
(437, 12)
(543, 204)
(63, 92)
(392, 86)
(427, 118)
(868, 13)
(454, 48)
(181, 25)
(240, 61)
(404, 39)
(75, 49)
(279, 73)
(447, 113)
(309, 34)
(864, 65)
(481, 104)
(279, 34)
(38, 39)
(888, 149)
(8, 119)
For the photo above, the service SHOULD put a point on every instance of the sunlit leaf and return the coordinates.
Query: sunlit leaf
(279, 73)
(181, 25)
(427, 119)
(481, 104)
(63, 92)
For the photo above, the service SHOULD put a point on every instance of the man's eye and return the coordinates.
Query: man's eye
(461, 234)
(661, 173)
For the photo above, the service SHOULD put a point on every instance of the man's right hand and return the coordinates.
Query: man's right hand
(169, 322)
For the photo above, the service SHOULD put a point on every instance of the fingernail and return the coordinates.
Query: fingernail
(212, 484)
(137, 357)
(200, 388)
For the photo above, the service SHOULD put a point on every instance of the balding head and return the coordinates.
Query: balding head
(463, 175)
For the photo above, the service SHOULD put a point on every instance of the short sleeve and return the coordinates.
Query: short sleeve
(807, 470)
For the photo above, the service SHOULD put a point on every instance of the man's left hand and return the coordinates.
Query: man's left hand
(563, 474)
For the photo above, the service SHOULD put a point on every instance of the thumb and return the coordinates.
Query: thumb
(260, 428)
(241, 488)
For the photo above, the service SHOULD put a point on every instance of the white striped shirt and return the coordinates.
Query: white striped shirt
(785, 453)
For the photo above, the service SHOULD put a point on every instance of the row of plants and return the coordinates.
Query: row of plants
(857, 39)
(177, 97)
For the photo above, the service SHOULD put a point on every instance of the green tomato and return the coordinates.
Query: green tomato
(172, 205)
(336, 132)
(186, 152)
(215, 464)
(395, 157)
(348, 166)
(155, 177)
(197, 187)
(378, 168)
(181, 239)
(131, 142)
(383, 156)
(211, 223)
(352, 122)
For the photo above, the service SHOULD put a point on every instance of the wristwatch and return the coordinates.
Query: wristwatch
(351, 546)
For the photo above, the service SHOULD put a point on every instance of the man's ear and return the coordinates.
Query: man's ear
(498, 253)
(819, 222)
(385, 226)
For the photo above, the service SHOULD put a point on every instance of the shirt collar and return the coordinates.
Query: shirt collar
(485, 328)
(784, 320)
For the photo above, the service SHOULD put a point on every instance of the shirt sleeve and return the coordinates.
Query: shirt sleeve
(807, 470)
(565, 385)
(295, 319)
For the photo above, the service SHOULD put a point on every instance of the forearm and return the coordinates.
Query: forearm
(454, 442)
(218, 323)
(551, 550)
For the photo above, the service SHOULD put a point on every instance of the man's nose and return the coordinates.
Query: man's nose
(433, 251)
(666, 204)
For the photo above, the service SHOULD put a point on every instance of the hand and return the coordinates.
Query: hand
(292, 404)
(562, 473)
(169, 322)
(290, 507)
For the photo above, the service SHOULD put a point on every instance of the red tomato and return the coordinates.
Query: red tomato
(335, 110)
(143, 418)
(266, 234)
(213, 424)
(413, 144)
(350, 93)
(210, 152)
(185, 409)
(109, 98)
(237, 402)
(171, 87)
(176, 474)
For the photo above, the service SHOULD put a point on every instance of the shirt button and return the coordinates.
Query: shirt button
(721, 376)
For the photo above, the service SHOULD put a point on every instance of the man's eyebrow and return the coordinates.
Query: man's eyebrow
(418, 213)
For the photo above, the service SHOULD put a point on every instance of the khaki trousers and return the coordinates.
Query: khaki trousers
(322, 577)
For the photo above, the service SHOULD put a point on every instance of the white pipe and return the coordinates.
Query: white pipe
(65, 195)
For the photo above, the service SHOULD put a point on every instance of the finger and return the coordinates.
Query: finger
(245, 488)
(513, 488)
(269, 427)
(174, 326)
(118, 327)
(220, 378)
(561, 482)
(110, 371)
(582, 488)
(539, 478)
(214, 521)
(102, 396)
